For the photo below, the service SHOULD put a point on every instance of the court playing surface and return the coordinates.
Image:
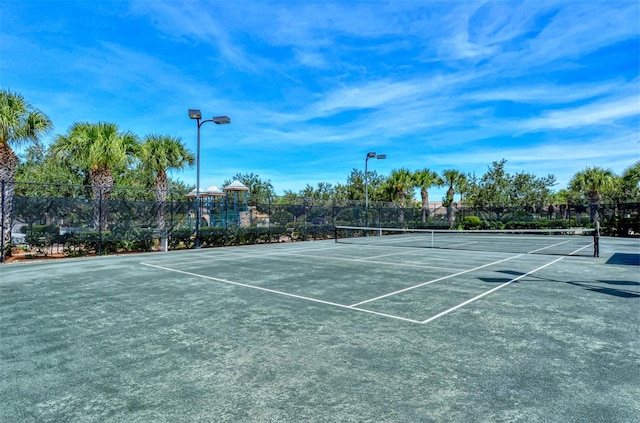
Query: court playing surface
(323, 331)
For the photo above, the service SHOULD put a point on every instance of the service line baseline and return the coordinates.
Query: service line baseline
(356, 306)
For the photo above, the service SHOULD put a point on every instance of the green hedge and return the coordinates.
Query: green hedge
(472, 222)
(541, 224)
(622, 226)
(108, 242)
(42, 237)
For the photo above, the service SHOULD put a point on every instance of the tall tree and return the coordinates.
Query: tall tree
(158, 154)
(99, 149)
(562, 199)
(353, 189)
(492, 189)
(425, 179)
(323, 192)
(453, 178)
(398, 187)
(52, 177)
(528, 190)
(260, 191)
(630, 184)
(593, 182)
(290, 197)
(307, 192)
(19, 123)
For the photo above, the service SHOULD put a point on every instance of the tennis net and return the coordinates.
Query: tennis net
(575, 241)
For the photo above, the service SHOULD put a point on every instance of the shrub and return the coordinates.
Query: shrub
(212, 236)
(39, 241)
(88, 241)
(472, 223)
(181, 237)
(137, 240)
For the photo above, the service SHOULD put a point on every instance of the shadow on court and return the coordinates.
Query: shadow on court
(621, 293)
(587, 285)
(628, 259)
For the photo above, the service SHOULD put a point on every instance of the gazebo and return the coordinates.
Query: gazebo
(214, 204)
(211, 205)
(237, 203)
(192, 213)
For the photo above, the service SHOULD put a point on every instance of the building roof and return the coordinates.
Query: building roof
(236, 186)
(212, 191)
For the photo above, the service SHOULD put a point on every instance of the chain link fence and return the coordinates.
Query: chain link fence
(48, 219)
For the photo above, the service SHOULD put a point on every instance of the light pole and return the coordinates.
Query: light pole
(218, 120)
(370, 155)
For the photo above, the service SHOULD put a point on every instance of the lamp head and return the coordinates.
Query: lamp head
(371, 155)
(221, 120)
(381, 156)
(195, 114)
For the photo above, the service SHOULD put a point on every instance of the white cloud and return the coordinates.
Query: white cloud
(366, 96)
(551, 93)
(576, 31)
(599, 113)
(311, 59)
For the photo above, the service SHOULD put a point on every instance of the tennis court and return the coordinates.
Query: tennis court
(324, 331)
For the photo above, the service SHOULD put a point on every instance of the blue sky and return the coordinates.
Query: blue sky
(312, 86)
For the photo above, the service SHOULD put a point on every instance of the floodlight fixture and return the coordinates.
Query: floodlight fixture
(370, 155)
(218, 120)
(221, 120)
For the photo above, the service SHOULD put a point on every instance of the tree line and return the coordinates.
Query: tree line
(102, 156)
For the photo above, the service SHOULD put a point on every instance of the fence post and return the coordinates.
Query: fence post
(100, 221)
(169, 231)
(333, 211)
(2, 197)
(269, 218)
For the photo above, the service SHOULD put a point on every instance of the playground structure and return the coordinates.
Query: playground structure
(222, 208)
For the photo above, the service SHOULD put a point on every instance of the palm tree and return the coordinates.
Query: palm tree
(630, 184)
(453, 178)
(425, 179)
(19, 122)
(592, 183)
(99, 149)
(399, 185)
(561, 199)
(157, 154)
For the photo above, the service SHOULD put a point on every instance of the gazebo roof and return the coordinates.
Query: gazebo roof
(212, 191)
(236, 186)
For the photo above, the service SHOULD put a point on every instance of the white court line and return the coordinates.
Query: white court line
(434, 280)
(286, 294)
(549, 246)
(430, 319)
(460, 244)
(354, 306)
(477, 297)
(226, 255)
(580, 249)
(529, 252)
(369, 261)
(385, 255)
(286, 254)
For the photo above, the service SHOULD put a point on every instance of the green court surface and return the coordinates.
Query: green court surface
(323, 332)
